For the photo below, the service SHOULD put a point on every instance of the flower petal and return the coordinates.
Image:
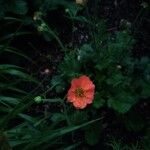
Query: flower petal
(89, 99)
(75, 83)
(71, 97)
(89, 96)
(86, 83)
(80, 103)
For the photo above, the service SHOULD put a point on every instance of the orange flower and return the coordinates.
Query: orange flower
(81, 92)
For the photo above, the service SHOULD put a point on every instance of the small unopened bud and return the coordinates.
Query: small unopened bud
(41, 27)
(81, 2)
(46, 71)
(67, 10)
(79, 58)
(125, 23)
(144, 5)
(38, 99)
(128, 24)
(37, 15)
(119, 66)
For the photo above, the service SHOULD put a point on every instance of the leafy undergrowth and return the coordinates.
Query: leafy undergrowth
(48, 46)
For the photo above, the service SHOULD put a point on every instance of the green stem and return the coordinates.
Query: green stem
(51, 32)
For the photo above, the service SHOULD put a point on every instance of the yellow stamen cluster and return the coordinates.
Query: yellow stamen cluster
(79, 92)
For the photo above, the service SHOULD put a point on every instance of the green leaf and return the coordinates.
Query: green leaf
(16, 71)
(116, 144)
(27, 118)
(70, 66)
(58, 83)
(122, 102)
(15, 142)
(19, 7)
(10, 35)
(116, 79)
(72, 147)
(98, 101)
(93, 133)
(49, 135)
(81, 19)
(54, 100)
(54, 4)
(10, 86)
(58, 117)
(85, 53)
(145, 90)
(73, 8)
(7, 66)
(9, 100)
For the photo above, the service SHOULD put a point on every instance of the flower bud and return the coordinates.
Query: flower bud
(38, 99)
(119, 66)
(37, 15)
(81, 2)
(144, 5)
(41, 27)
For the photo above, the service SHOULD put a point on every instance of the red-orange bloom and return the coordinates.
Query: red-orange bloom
(81, 92)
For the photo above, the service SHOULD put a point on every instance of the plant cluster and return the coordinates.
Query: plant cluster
(101, 77)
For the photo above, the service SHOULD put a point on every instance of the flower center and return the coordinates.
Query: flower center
(79, 92)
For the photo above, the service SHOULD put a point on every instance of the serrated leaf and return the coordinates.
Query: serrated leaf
(70, 66)
(122, 102)
(98, 101)
(85, 53)
(58, 83)
(58, 117)
(116, 79)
